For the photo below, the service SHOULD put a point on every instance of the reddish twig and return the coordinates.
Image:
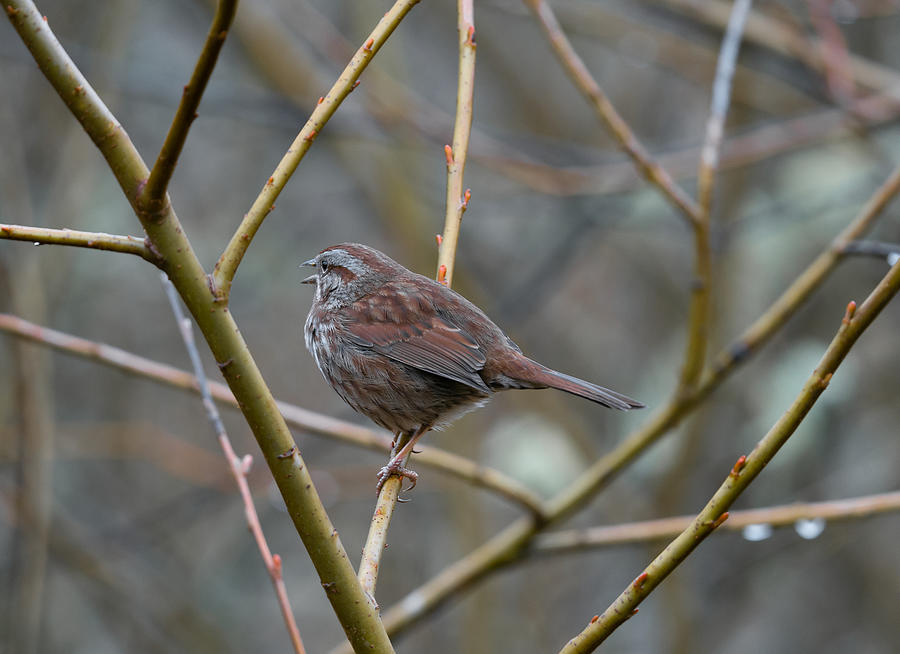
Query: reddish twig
(239, 469)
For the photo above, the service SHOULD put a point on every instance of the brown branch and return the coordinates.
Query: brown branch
(576, 540)
(581, 76)
(744, 471)
(231, 257)
(152, 197)
(238, 467)
(773, 34)
(309, 421)
(93, 240)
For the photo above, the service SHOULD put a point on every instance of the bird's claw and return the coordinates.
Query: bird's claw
(392, 469)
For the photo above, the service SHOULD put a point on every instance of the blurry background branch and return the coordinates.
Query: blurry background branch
(575, 540)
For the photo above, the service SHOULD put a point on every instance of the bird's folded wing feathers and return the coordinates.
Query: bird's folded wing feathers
(432, 344)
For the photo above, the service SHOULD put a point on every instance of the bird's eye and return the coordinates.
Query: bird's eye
(324, 266)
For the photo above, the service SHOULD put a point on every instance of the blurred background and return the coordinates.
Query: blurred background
(133, 537)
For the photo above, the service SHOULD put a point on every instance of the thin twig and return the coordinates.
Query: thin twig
(575, 540)
(456, 154)
(699, 308)
(239, 468)
(153, 195)
(835, 59)
(744, 471)
(230, 259)
(457, 201)
(877, 249)
(309, 421)
(773, 34)
(511, 542)
(93, 240)
(581, 76)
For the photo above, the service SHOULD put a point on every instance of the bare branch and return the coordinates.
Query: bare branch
(699, 309)
(744, 471)
(457, 201)
(509, 544)
(92, 240)
(309, 421)
(238, 468)
(230, 259)
(649, 168)
(575, 540)
(155, 189)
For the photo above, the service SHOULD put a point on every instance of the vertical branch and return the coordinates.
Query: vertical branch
(152, 197)
(699, 310)
(238, 467)
(457, 201)
(376, 540)
(456, 206)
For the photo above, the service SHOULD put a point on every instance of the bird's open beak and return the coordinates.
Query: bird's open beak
(312, 279)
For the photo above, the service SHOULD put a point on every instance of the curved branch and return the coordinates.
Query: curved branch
(74, 238)
(152, 195)
(581, 76)
(230, 259)
(309, 421)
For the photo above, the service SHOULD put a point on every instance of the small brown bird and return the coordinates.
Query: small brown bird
(412, 354)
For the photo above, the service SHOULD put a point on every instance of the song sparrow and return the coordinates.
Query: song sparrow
(412, 354)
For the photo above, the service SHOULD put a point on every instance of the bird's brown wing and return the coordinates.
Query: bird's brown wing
(409, 331)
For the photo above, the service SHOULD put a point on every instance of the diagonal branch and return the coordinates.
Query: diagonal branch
(152, 197)
(74, 238)
(581, 76)
(230, 259)
(511, 543)
(238, 468)
(355, 611)
(309, 421)
(744, 471)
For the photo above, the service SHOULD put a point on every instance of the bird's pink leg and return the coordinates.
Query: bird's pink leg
(395, 465)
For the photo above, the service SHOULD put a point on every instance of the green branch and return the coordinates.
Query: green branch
(74, 238)
(231, 257)
(744, 471)
(152, 195)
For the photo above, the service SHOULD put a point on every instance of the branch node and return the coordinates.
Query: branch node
(639, 582)
(442, 274)
(448, 152)
(288, 454)
(848, 314)
(739, 465)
